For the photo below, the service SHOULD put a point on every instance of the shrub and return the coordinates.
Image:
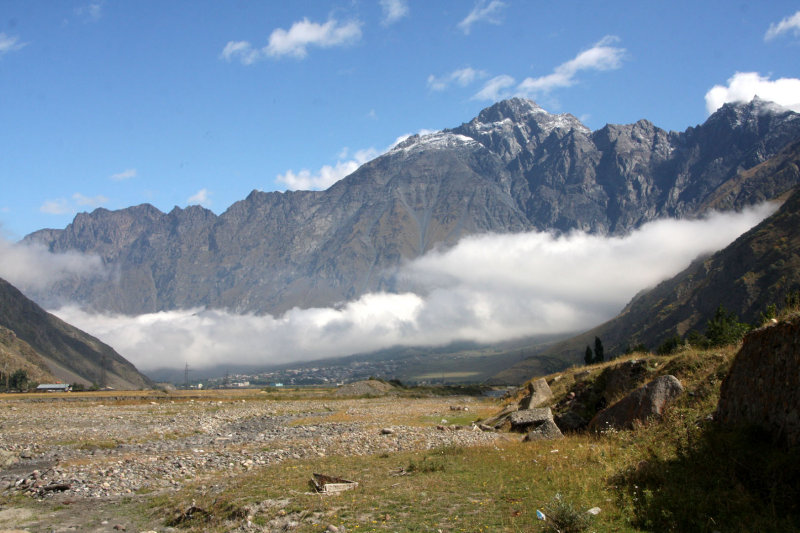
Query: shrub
(563, 517)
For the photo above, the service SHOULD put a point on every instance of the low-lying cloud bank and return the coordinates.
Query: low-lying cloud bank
(487, 288)
(33, 268)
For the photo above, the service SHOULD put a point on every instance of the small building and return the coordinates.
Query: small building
(54, 387)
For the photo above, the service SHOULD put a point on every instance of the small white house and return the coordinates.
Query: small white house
(54, 387)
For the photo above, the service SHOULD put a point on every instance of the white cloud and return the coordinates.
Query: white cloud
(790, 24)
(483, 11)
(461, 77)
(495, 88)
(9, 44)
(602, 56)
(31, 267)
(242, 50)
(393, 10)
(56, 207)
(305, 33)
(295, 41)
(86, 201)
(201, 197)
(327, 175)
(486, 289)
(124, 175)
(91, 12)
(743, 86)
(63, 206)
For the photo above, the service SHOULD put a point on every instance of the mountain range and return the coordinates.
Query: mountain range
(514, 167)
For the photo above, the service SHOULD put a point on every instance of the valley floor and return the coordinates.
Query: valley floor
(242, 460)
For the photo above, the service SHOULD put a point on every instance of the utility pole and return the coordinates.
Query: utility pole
(186, 377)
(103, 379)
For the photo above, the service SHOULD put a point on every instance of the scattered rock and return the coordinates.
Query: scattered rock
(638, 406)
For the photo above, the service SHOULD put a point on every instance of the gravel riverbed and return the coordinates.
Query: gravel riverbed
(109, 448)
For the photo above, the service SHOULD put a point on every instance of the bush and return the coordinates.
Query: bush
(724, 328)
(563, 517)
(669, 346)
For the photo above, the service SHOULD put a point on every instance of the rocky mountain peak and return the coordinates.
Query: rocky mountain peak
(511, 126)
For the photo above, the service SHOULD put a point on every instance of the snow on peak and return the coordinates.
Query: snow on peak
(439, 140)
(502, 116)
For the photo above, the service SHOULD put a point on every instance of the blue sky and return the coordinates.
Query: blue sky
(116, 103)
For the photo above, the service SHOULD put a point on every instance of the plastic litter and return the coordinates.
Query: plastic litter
(540, 515)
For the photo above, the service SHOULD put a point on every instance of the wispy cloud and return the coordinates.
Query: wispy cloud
(124, 175)
(89, 201)
(393, 10)
(602, 56)
(514, 285)
(295, 41)
(64, 206)
(201, 197)
(9, 44)
(461, 77)
(743, 86)
(483, 11)
(91, 12)
(327, 175)
(495, 88)
(790, 24)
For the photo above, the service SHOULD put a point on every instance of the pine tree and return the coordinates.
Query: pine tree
(588, 356)
(599, 356)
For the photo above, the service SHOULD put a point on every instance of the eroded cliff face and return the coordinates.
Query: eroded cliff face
(513, 168)
(763, 386)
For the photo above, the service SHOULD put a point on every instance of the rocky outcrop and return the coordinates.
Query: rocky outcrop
(642, 404)
(763, 386)
(513, 168)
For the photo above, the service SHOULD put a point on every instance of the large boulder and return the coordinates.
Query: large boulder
(763, 385)
(638, 406)
(538, 393)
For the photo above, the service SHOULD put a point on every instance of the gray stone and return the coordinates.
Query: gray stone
(640, 405)
(539, 393)
(529, 418)
(763, 385)
(546, 430)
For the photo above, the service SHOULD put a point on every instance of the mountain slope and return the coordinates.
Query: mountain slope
(758, 269)
(513, 168)
(16, 354)
(65, 351)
